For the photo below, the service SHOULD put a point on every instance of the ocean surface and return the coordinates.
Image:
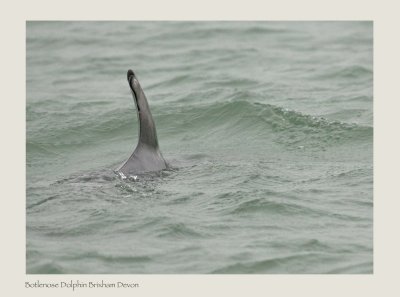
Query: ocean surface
(267, 127)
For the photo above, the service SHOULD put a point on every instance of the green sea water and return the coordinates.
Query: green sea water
(267, 126)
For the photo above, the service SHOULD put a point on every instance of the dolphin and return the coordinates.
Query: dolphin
(147, 156)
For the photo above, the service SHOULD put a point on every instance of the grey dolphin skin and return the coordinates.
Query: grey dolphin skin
(147, 156)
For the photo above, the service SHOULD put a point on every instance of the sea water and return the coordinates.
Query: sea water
(267, 127)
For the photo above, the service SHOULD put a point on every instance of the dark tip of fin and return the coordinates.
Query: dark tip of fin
(130, 73)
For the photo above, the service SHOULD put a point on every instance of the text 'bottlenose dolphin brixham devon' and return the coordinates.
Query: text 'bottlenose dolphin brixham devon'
(147, 156)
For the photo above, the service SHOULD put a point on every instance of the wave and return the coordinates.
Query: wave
(264, 206)
(266, 265)
(178, 230)
(295, 263)
(49, 267)
(231, 120)
(111, 258)
(236, 119)
(198, 31)
(347, 72)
